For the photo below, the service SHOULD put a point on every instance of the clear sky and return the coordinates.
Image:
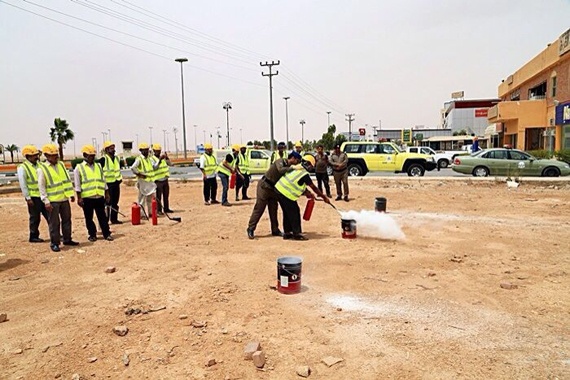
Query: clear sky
(394, 61)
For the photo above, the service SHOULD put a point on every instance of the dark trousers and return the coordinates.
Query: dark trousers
(60, 218)
(242, 184)
(266, 197)
(210, 189)
(162, 194)
(96, 205)
(291, 215)
(225, 179)
(114, 195)
(323, 179)
(36, 211)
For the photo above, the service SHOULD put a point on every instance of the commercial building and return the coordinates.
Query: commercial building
(469, 116)
(534, 112)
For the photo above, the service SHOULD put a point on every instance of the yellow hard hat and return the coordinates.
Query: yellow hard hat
(143, 146)
(309, 158)
(298, 143)
(108, 144)
(156, 146)
(50, 149)
(30, 150)
(235, 147)
(208, 146)
(89, 150)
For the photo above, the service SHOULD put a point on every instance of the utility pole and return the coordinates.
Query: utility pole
(175, 130)
(270, 75)
(195, 139)
(302, 122)
(350, 119)
(227, 106)
(164, 140)
(287, 121)
(150, 129)
(329, 120)
(219, 135)
(181, 61)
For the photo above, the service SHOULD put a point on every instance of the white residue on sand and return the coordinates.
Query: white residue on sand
(375, 224)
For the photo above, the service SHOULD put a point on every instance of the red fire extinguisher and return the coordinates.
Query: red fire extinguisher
(309, 209)
(233, 181)
(135, 214)
(154, 207)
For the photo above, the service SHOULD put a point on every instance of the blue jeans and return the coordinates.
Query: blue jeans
(225, 184)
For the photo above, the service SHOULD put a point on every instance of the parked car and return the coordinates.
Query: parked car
(259, 159)
(508, 162)
(442, 159)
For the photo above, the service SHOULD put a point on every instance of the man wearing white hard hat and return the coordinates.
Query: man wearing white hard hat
(113, 177)
(56, 190)
(208, 165)
(28, 178)
(161, 162)
(144, 170)
(92, 193)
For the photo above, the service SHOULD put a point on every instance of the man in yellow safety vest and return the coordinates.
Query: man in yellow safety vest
(242, 182)
(281, 152)
(144, 170)
(289, 189)
(225, 171)
(161, 162)
(56, 190)
(92, 192)
(299, 148)
(113, 177)
(28, 178)
(208, 166)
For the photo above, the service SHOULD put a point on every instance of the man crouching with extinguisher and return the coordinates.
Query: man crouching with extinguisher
(289, 189)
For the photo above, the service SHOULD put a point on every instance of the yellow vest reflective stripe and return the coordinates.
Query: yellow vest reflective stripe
(112, 169)
(222, 169)
(162, 170)
(31, 175)
(210, 164)
(58, 183)
(145, 167)
(92, 182)
(289, 186)
(244, 163)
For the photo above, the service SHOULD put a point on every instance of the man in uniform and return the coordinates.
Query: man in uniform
(208, 165)
(339, 163)
(92, 193)
(113, 177)
(28, 178)
(289, 189)
(242, 182)
(56, 190)
(144, 170)
(161, 162)
(266, 195)
(281, 152)
(321, 165)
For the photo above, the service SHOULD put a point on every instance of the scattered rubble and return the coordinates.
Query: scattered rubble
(331, 360)
(303, 371)
(110, 270)
(250, 349)
(121, 330)
(258, 358)
(508, 285)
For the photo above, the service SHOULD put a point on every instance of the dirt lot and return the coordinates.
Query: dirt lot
(429, 306)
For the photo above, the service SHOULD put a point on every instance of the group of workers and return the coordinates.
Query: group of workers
(48, 188)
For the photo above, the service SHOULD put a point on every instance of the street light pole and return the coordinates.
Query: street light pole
(218, 133)
(109, 134)
(182, 60)
(302, 122)
(227, 106)
(195, 139)
(287, 121)
(175, 130)
(164, 139)
(150, 129)
(240, 137)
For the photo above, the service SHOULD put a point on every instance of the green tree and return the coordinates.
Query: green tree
(12, 149)
(328, 138)
(339, 139)
(61, 134)
(462, 132)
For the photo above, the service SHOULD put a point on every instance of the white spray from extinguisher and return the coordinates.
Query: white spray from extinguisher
(375, 224)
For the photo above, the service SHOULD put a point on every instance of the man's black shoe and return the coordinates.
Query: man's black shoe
(55, 247)
(277, 233)
(109, 238)
(346, 198)
(92, 238)
(36, 240)
(338, 198)
(250, 233)
(287, 236)
(116, 222)
(299, 237)
(71, 242)
(246, 198)
(215, 202)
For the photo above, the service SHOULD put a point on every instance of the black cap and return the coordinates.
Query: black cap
(281, 144)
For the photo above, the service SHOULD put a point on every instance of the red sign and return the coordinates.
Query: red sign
(482, 112)
(362, 131)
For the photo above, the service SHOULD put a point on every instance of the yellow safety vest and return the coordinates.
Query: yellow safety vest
(275, 156)
(288, 185)
(222, 169)
(244, 163)
(58, 183)
(31, 175)
(210, 164)
(112, 169)
(162, 170)
(145, 167)
(92, 182)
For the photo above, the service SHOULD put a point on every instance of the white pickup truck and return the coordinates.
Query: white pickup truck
(443, 159)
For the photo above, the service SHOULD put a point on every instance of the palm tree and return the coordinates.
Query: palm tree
(12, 149)
(61, 134)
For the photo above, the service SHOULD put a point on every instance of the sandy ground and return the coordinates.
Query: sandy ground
(426, 307)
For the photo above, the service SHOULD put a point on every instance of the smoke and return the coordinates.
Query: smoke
(375, 224)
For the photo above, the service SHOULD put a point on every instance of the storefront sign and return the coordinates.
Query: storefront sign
(564, 43)
(481, 112)
(563, 113)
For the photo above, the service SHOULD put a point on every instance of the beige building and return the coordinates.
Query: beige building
(531, 98)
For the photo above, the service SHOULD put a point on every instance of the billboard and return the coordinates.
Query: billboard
(457, 95)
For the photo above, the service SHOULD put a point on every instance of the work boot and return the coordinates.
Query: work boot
(36, 240)
(116, 222)
(207, 203)
(338, 198)
(346, 198)
(55, 247)
(250, 233)
(92, 238)
(287, 236)
(215, 202)
(276, 233)
(299, 237)
(70, 242)
(109, 238)
(226, 204)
